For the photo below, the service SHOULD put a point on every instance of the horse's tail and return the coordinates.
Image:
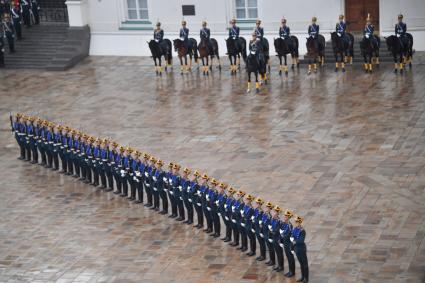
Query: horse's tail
(195, 49)
(295, 44)
(243, 45)
(168, 53)
(351, 46)
(215, 47)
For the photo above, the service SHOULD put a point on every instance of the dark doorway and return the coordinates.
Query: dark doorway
(356, 13)
(53, 11)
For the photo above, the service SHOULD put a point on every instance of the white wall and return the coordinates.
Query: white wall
(414, 16)
(106, 17)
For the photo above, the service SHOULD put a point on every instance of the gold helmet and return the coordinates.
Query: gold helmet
(299, 219)
(214, 181)
(205, 177)
(197, 174)
(187, 170)
(160, 162)
(259, 201)
(314, 19)
(249, 197)
(269, 205)
(176, 166)
(241, 193)
(341, 17)
(288, 213)
(277, 209)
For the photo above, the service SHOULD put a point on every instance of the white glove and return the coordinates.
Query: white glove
(261, 235)
(170, 180)
(270, 227)
(207, 197)
(180, 188)
(219, 214)
(281, 245)
(253, 218)
(154, 178)
(293, 252)
(208, 208)
(243, 224)
(138, 174)
(199, 193)
(241, 211)
(155, 189)
(233, 220)
(146, 174)
(165, 180)
(181, 198)
(367, 36)
(199, 204)
(260, 222)
(271, 240)
(252, 230)
(225, 206)
(281, 231)
(135, 178)
(216, 202)
(398, 35)
(227, 218)
(171, 193)
(190, 200)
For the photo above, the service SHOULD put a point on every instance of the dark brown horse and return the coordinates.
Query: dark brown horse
(183, 51)
(283, 48)
(315, 52)
(207, 51)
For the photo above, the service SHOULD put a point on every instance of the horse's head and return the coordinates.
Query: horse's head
(392, 42)
(177, 43)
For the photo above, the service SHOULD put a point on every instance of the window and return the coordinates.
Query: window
(246, 9)
(188, 10)
(137, 9)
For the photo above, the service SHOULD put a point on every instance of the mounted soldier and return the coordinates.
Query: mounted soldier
(340, 29)
(400, 31)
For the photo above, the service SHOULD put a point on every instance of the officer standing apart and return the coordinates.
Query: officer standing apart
(297, 239)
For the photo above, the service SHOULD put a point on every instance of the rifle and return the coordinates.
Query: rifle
(11, 121)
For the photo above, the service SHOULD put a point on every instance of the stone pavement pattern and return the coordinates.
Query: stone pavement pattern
(347, 151)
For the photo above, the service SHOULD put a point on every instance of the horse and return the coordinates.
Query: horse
(315, 52)
(404, 52)
(204, 52)
(370, 52)
(183, 50)
(236, 48)
(256, 65)
(282, 49)
(342, 48)
(159, 49)
(264, 44)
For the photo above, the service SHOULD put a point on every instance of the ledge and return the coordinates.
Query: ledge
(136, 25)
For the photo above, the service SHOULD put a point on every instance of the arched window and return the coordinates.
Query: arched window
(137, 9)
(246, 9)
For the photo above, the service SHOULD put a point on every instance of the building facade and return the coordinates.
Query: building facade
(123, 27)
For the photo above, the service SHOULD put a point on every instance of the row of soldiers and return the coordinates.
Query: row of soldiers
(100, 162)
(12, 15)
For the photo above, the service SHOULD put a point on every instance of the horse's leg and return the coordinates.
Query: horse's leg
(315, 63)
(293, 61)
(160, 66)
(238, 61)
(207, 68)
(181, 65)
(257, 84)
(156, 66)
(401, 63)
(365, 62)
(336, 61)
(190, 62)
(280, 64)
(343, 61)
(309, 66)
(249, 82)
(286, 65)
(395, 63)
